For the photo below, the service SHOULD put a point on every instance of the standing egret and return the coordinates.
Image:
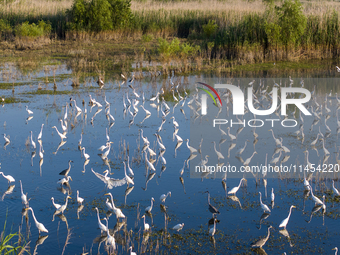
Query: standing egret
(86, 156)
(101, 226)
(219, 154)
(64, 180)
(118, 212)
(285, 221)
(56, 206)
(316, 200)
(146, 225)
(264, 207)
(323, 146)
(192, 150)
(336, 192)
(39, 225)
(247, 161)
(129, 168)
(23, 196)
(232, 137)
(6, 139)
(66, 171)
(262, 241)
(110, 239)
(62, 136)
(272, 195)
(131, 252)
(127, 178)
(240, 151)
(29, 111)
(32, 142)
(149, 208)
(77, 108)
(40, 134)
(336, 248)
(8, 177)
(235, 189)
(80, 200)
(163, 196)
(178, 227)
(63, 207)
(212, 209)
(212, 230)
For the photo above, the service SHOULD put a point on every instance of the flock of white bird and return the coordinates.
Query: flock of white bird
(130, 106)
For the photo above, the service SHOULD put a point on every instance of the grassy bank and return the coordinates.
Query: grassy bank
(213, 35)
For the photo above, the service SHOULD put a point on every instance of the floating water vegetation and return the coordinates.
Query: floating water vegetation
(48, 92)
(11, 100)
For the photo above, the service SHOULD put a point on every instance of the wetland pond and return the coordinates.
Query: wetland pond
(241, 220)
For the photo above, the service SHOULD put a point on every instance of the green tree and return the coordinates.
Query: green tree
(292, 22)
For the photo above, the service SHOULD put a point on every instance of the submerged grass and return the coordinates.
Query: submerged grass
(48, 92)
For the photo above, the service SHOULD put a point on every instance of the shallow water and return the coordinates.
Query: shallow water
(240, 222)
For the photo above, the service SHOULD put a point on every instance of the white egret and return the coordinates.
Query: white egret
(272, 195)
(57, 206)
(131, 252)
(150, 165)
(110, 182)
(86, 156)
(285, 221)
(110, 239)
(232, 137)
(247, 161)
(29, 111)
(218, 153)
(240, 151)
(262, 241)
(77, 108)
(64, 180)
(336, 192)
(6, 139)
(323, 146)
(23, 196)
(32, 142)
(264, 207)
(40, 134)
(316, 200)
(163, 196)
(277, 141)
(146, 225)
(127, 178)
(235, 189)
(80, 200)
(129, 168)
(101, 226)
(178, 227)
(149, 208)
(63, 207)
(192, 150)
(212, 230)
(174, 122)
(40, 226)
(118, 212)
(9, 178)
(336, 248)
(62, 136)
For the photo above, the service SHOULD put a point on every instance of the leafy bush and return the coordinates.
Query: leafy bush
(210, 29)
(5, 29)
(99, 15)
(33, 30)
(175, 49)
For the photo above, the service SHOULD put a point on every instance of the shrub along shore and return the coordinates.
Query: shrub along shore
(191, 35)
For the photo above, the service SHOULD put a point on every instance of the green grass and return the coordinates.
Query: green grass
(48, 92)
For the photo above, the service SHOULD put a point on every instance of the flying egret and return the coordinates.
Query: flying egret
(262, 241)
(80, 200)
(149, 208)
(163, 196)
(285, 221)
(110, 182)
(8, 177)
(40, 226)
(235, 189)
(178, 227)
(264, 207)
